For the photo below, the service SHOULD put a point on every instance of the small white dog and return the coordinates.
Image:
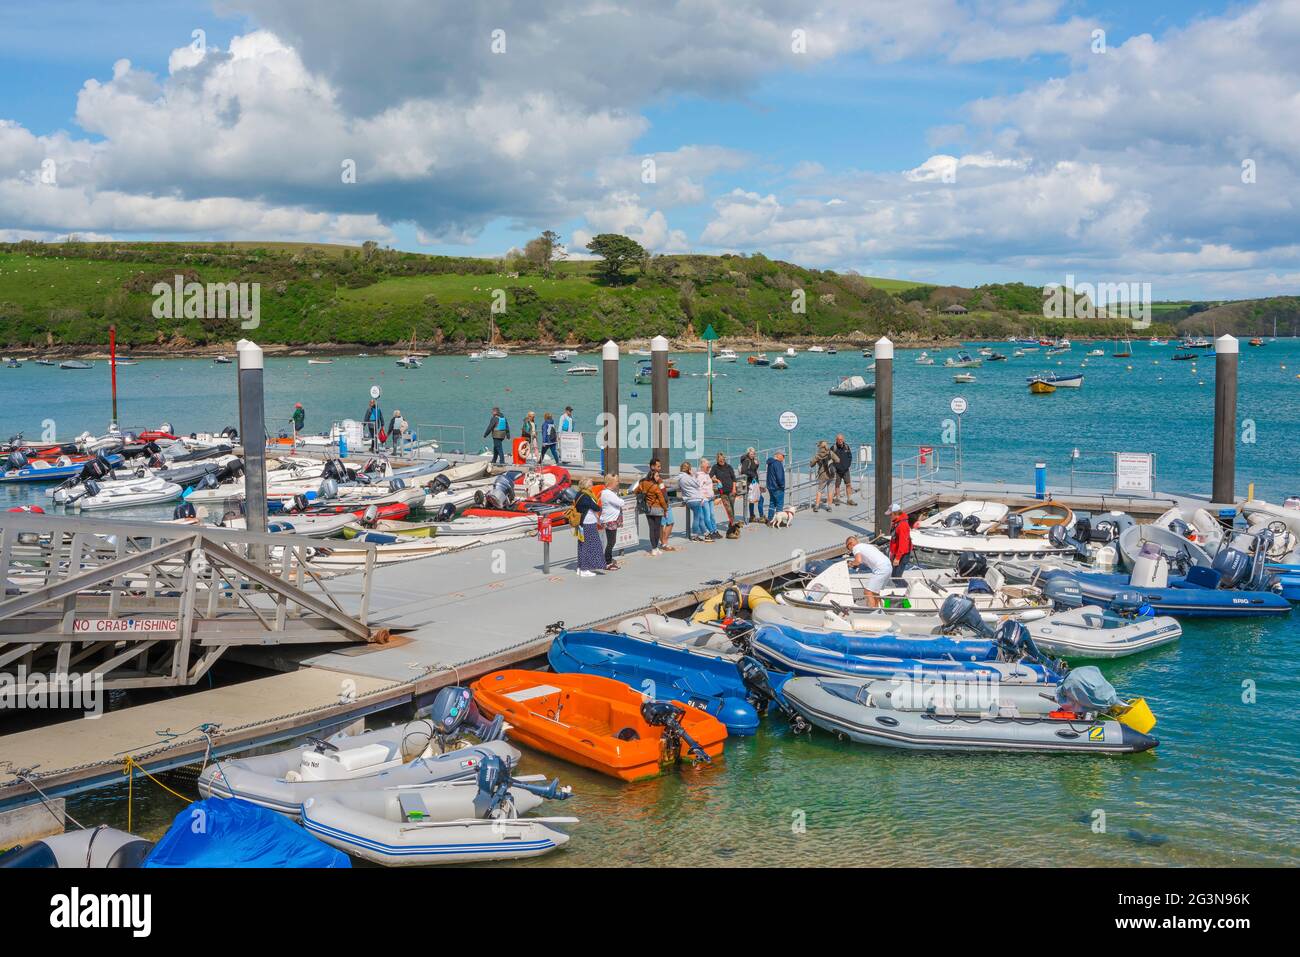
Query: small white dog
(783, 518)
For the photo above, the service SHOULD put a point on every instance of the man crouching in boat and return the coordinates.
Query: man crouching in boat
(865, 557)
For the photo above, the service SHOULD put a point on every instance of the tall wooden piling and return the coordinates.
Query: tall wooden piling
(659, 399)
(610, 426)
(1226, 350)
(884, 353)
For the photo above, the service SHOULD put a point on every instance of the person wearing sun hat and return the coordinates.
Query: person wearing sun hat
(900, 539)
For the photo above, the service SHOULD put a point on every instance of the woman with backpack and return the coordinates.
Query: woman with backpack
(396, 429)
(585, 518)
(653, 501)
(823, 465)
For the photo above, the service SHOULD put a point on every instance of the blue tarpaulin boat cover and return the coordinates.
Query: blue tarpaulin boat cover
(222, 832)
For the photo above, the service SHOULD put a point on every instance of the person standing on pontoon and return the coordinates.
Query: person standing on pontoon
(843, 466)
(374, 424)
(298, 418)
(900, 540)
(550, 437)
(865, 557)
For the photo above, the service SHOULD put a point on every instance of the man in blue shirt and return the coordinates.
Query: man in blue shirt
(775, 485)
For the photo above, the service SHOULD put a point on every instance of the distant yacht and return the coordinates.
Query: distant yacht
(727, 355)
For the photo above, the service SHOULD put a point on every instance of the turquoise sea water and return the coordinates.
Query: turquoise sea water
(1221, 789)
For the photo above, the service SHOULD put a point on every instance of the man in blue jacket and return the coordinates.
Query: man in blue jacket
(499, 429)
(775, 485)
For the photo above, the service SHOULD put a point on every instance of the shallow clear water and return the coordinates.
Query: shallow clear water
(1220, 789)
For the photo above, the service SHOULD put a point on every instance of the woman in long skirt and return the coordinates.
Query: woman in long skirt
(591, 550)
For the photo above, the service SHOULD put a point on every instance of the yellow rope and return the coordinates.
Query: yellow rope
(128, 768)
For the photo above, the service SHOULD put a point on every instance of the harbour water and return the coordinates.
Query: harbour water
(1220, 789)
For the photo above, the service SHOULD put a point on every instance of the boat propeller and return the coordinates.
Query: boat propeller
(761, 693)
(666, 715)
(495, 782)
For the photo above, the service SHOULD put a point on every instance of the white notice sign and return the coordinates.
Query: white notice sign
(627, 534)
(571, 448)
(1133, 472)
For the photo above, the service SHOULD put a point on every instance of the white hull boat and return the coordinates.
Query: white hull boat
(121, 493)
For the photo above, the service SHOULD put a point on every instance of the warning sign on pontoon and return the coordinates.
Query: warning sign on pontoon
(114, 626)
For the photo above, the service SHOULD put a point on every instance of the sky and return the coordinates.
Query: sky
(948, 141)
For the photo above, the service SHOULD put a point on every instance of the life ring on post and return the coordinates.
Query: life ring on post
(520, 450)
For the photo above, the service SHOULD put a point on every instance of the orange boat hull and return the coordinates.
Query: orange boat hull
(578, 718)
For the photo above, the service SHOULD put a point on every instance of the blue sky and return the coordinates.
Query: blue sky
(835, 158)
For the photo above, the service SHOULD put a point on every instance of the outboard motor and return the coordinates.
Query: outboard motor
(454, 710)
(156, 461)
(1083, 529)
(731, 603)
(958, 612)
(300, 502)
(972, 564)
(17, 461)
(666, 715)
(970, 524)
(502, 492)
(495, 782)
(1129, 604)
(1233, 566)
(152, 448)
(230, 432)
(184, 510)
(439, 483)
(396, 484)
(92, 488)
(97, 468)
(166, 429)
(329, 488)
(231, 470)
(1180, 528)
(207, 481)
(334, 469)
(952, 520)
(1015, 524)
(1151, 567)
(978, 586)
(445, 513)
(761, 693)
(1014, 639)
(1060, 538)
(370, 516)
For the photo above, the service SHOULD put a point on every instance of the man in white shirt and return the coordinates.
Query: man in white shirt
(566, 420)
(863, 556)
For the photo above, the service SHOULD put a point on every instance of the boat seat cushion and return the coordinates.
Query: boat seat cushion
(368, 755)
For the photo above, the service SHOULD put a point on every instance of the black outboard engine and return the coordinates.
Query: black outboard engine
(335, 469)
(495, 782)
(970, 524)
(958, 612)
(445, 513)
(731, 603)
(231, 470)
(439, 483)
(97, 468)
(1016, 642)
(1233, 566)
(1129, 604)
(761, 693)
(454, 711)
(156, 461)
(952, 520)
(972, 564)
(184, 510)
(502, 492)
(151, 449)
(1083, 529)
(1060, 538)
(208, 480)
(1015, 524)
(666, 715)
(1180, 528)
(17, 460)
(92, 488)
(230, 432)
(396, 484)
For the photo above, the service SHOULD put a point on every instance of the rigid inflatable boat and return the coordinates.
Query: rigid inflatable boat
(96, 847)
(404, 754)
(450, 823)
(1113, 632)
(890, 715)
(599, 723)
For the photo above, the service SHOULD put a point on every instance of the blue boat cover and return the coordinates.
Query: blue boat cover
(223, 832)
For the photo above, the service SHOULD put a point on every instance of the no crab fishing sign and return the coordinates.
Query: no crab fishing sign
(117, 626)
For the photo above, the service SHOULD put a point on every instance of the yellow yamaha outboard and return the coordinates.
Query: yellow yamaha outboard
(730, 602)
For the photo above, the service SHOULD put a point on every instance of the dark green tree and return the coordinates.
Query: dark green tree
(616, 251)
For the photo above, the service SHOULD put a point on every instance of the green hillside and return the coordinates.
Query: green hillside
(65, 295)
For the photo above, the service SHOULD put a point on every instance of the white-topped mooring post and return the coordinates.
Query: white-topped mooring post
(610, 426)
(1226, 348)
(659, 400)
(884, 353)
(252, 431)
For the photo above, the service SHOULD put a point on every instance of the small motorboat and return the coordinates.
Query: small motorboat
(475, 356)
(996, 357)
(445, 823)
(148, 489)
(1040, 386)
(420, 752)
(1092, 353)
(559, 357)
(78, 364)
(582, 370)
(599, 723)
(924, 359)
(320, 362)
(1037, 520)
(708, 683)
(496, 354)
(1256, 342)
(1081, 714)
(1073, 380)
(18, 467)
(816, 349)
(1184, 356)
(410, 362)
(963, 360)
(726, 355)
(44, 362)
(854, 387)
(759, 360)
(1123, 628)
(780, 363)
(222, 360)
(964, 377)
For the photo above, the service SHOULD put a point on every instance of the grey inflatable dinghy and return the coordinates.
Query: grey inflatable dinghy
(1096, 632)
(448, 823)
(404, 754)
(871, 712)
(96, 847)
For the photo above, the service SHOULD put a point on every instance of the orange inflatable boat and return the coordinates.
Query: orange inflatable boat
(598, 722)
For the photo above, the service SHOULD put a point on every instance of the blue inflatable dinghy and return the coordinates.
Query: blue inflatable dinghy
(710, 683)
(221, 832)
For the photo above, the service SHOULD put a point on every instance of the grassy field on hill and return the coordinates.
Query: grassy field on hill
(64, 296)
